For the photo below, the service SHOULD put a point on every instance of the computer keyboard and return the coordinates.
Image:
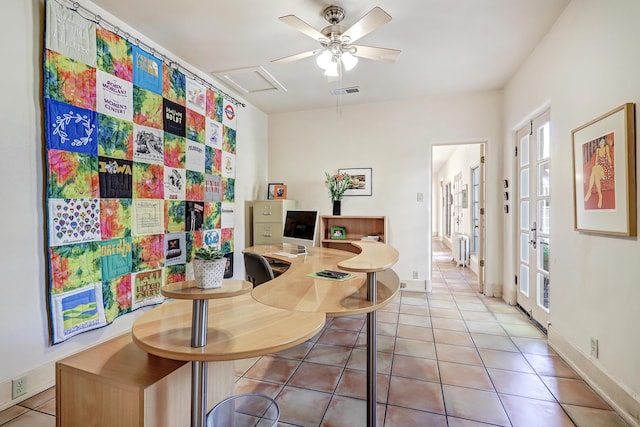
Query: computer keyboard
(285, 254)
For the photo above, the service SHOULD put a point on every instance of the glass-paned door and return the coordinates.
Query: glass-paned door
(457, 204)
(475, 209)
(448, 198)
(534, 215)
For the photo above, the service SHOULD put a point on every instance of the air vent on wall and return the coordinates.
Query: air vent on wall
(345, 90)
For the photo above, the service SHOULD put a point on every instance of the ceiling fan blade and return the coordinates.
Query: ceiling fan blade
(377, 53)
(302, 26)
(295, 57)
(375, 18)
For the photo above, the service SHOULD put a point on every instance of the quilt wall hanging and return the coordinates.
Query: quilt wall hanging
(140, 164)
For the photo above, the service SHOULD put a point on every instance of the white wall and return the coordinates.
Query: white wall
(394, 139)
(24, 347)
(587, 65)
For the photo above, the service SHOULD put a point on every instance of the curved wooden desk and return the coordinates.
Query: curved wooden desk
(373, 287)
(295, 290)
(283, 312)
(240, 328)
(199, 325)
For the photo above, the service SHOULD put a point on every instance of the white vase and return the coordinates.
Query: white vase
(209, 273)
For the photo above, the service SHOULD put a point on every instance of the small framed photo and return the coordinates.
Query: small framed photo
(279, 191)
(338, 233)
(228, 268)
(270, 189)
(360, 181)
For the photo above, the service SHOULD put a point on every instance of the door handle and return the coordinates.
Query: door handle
(534, 230)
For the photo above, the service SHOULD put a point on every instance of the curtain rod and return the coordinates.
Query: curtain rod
(77, 7)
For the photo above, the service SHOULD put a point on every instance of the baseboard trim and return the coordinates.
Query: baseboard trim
(620, 399)
(413, 285)
(38, 380)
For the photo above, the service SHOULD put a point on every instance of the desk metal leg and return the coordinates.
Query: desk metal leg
(371, 351)
(199, 320)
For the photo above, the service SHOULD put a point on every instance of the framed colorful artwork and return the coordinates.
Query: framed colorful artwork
(604, 174)
(280, 191)
(360, 181)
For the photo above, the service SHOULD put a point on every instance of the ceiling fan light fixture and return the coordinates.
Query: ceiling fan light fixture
(336, 52)
(332, 70)
(324, 59)
(349, 61)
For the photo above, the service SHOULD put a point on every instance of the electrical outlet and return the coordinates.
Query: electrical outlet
(18, 387)
(594, 347)
(415, 275)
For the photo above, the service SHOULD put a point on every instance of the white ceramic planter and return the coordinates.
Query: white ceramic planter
(209, 273)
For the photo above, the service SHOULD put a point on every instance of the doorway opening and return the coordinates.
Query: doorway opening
(458, 203)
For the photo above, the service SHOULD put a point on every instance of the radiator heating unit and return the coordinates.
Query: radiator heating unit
(460, 245)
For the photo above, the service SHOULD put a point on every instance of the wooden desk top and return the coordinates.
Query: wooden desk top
(120, 360)
(373, 256)
(295, 290)
(188, 290)
(238, 327)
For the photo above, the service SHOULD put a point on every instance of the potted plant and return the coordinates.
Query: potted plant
(337, 184)
(209, 264)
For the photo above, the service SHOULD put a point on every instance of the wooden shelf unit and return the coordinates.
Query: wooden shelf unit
(116, 384)
(356, 226)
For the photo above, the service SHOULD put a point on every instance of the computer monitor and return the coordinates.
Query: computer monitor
(300, 228)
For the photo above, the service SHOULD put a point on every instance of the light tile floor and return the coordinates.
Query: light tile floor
(449, 358)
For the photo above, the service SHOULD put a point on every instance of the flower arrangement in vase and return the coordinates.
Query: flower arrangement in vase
(209, 264)
(337, 184)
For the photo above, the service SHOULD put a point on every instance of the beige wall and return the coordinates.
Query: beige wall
(394, 139)
(23, 319)
(587, 65)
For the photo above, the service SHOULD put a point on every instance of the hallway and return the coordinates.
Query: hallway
(450, 358)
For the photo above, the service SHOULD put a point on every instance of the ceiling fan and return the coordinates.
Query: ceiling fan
(336, 42)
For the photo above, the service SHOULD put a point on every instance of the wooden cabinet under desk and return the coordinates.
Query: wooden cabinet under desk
(268, 220)
(356, 228)
(116, 384)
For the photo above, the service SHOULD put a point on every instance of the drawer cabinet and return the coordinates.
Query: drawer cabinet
(268, 220)
(266, 233)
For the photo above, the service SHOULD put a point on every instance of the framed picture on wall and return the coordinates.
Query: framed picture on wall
(360, 181)
(604, 173)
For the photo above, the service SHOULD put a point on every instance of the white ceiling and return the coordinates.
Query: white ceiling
(448, 46)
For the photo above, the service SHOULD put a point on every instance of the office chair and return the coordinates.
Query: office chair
(257, 269)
